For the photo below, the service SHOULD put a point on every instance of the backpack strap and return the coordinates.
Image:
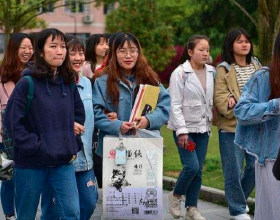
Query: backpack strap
(30, 94)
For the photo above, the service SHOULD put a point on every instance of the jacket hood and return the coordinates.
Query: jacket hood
(29, 70)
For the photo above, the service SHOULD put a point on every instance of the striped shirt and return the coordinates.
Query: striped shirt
(243, 74)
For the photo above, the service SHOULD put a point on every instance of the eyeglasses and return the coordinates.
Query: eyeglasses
(131, 51)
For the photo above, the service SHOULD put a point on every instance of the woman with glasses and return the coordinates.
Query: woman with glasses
(18, 53)
(116, 89)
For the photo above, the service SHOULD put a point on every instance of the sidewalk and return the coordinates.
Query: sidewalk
(210, 211)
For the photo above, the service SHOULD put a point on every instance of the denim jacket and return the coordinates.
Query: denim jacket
(101, 101)
(84, 159)
(257, 128)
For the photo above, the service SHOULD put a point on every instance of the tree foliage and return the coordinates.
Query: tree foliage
(143, 19)
(17, 15)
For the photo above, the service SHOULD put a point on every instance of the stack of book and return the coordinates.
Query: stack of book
(145, 102)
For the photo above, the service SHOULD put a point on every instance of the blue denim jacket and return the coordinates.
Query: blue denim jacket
(84, 159)
(257, 128)
(101, 101)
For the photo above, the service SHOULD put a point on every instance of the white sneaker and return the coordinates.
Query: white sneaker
(193, 213)
(174, 205)
(13, 217)
(240, 217)
(247, 210)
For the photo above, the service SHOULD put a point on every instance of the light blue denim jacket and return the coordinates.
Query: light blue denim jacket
(101, 101)
(84, 159)
(257, 128)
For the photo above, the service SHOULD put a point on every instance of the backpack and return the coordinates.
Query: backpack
(6, 138)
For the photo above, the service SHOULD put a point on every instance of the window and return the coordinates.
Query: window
(2, 43)
(47, 8)
(108, 8)
(74, 6)
(83, 37)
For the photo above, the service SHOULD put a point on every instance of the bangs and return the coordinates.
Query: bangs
(75, 45)
(103, 40)
(129, 42)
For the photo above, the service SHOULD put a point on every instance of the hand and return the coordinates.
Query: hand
(231, 102)
(141, 122)
(78, 128)
(112, 116)
(183, 140)
(126, 126)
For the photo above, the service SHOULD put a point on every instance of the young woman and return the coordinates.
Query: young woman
(85, 177)
(18, 53)
(191, 91)
(237, 67)
(45, 141)
(115, 90)
(96, 48)
(257, 132)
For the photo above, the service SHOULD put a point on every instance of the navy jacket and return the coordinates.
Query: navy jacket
(45, 137)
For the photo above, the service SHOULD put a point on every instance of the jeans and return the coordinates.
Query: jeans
(190, 178)
(8, 197)
(29, 185)
(238, 184)
(88, 195)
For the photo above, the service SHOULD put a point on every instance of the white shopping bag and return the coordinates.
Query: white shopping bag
(133, 190)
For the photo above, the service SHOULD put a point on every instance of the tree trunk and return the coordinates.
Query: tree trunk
(268, 27)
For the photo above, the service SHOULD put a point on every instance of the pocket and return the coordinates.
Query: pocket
(192, 110)
(58, 146)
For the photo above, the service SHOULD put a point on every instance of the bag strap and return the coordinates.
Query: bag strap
(30, 94)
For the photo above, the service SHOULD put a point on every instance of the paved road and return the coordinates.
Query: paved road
(210, 211)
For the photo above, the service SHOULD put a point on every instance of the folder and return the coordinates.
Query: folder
(145, 102)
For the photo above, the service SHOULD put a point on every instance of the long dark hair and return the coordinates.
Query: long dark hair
(92, 42)
(11, 65)
(144, 74)
(274, 75)
(41, 68)
(227, 50)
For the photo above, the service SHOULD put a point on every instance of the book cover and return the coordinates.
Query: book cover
(145, 102)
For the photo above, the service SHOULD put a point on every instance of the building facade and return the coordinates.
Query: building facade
(77, 19)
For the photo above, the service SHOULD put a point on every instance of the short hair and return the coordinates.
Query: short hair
(227, 50)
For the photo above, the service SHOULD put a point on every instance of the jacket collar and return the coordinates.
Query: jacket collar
(188, 68)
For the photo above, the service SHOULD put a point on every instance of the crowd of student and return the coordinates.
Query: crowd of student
(80, 92)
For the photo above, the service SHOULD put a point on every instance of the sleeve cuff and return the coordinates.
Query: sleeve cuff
(181, 131)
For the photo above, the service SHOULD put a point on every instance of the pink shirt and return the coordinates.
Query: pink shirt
(5, 92)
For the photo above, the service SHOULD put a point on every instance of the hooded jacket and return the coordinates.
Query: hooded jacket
(45, 137)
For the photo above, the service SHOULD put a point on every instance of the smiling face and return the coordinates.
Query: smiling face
(77, 58)
(54, 52)
(127, 57)
(25, 51)
(241, 46)
(200, 54)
